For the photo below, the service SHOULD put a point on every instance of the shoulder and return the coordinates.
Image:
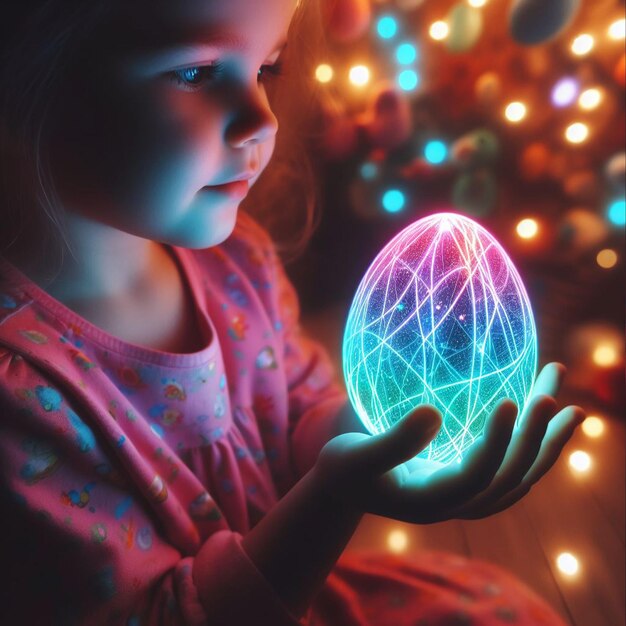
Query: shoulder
(33, 349)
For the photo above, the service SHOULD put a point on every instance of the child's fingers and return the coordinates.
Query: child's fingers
(455, 484)
(356, 455)
(549, 380)
(520, 455)
(403, 441)
(560, 429)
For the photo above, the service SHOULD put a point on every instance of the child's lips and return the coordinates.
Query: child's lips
(235, 189)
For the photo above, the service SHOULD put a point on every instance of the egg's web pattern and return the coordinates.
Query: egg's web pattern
(441, 317)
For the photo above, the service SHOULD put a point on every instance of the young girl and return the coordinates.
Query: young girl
(161, 415)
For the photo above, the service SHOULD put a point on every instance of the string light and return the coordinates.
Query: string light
(436, 151)
(590, 98)
(387, 27)
(527, 228)
(617, 30)
(605, 355)
(397, 541)
(359, 75)
(439, 30)
(617, 212)
(565, 92)
(607, 258)
(580, 461)
(567, 563)
(515, 111)
(393, 201)
(593, 426)
(583, 44)
(324, 73)
(408, 80)
(577, 132)
(406, 53)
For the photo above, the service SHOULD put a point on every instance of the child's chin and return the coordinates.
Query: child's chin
(213, 236)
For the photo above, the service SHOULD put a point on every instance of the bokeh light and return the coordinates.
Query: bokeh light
(436, 151)
(583, 44)
(359, 75)
(590, 99)
(408, 80)
(393, 201)
(617, 212)
(369, 170)
(515, 111)
(605, 355)
(439, 30)
(580, 461)
(593, 426)
(607, 258)
(576, 132)
(565, 92)
(527, 228)
(324, 73)
(387, 27)
(397, 541)
(477, 3)
(440, 317)
(567, 563)
(617, 30)
(406, 53)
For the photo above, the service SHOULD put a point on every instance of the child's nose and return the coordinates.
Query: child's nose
(253, 123)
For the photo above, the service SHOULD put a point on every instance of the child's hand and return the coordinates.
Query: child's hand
(379, 474)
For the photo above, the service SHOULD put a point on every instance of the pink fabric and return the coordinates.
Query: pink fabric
(118, 462)
(127, 474)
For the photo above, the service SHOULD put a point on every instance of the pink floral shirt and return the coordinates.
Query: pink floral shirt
(129, 475)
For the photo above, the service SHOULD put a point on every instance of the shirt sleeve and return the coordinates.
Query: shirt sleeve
(316, 398)
(78, 544)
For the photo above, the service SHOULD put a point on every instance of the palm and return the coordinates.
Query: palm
(497, 470)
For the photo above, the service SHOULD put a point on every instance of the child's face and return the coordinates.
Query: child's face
(143, 125)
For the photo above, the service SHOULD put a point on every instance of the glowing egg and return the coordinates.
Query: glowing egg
(441, 317)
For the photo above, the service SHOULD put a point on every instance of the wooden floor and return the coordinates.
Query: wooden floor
(565, 512)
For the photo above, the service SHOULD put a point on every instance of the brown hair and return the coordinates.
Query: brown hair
(286, 197)
(37, 37)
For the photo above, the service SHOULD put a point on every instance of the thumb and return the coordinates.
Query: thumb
(380, 453)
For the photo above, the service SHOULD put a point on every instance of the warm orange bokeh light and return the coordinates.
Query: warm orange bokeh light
(593, 426)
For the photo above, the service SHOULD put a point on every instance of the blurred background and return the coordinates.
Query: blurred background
(511, 113)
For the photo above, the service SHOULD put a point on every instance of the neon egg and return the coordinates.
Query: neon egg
(441, 317)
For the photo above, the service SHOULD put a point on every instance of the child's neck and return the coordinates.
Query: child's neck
(106, 262)
(128, 286)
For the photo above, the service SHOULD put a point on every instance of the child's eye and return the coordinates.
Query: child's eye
(192, 78)
(271, 70)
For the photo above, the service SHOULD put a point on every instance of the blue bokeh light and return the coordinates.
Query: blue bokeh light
(617, 212)
(393, 200)
(406, 53)
(368, 170)
(387, 27)
(441, 317)
(436, 151)
(408, 80)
